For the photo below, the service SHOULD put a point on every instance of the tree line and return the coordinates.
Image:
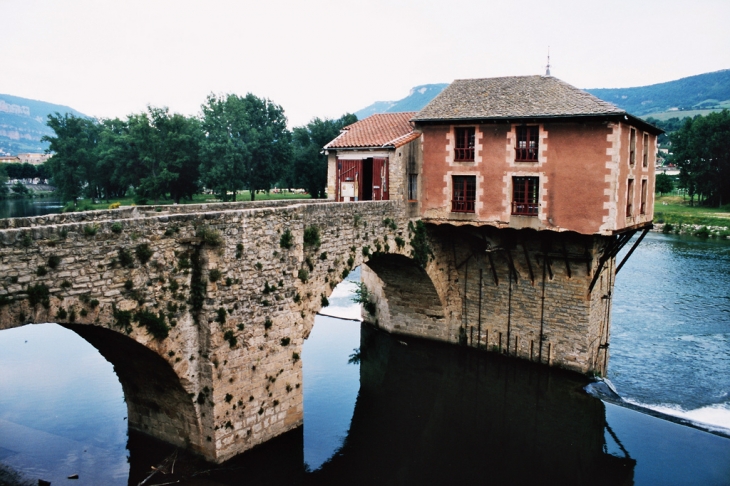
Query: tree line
(236, 143)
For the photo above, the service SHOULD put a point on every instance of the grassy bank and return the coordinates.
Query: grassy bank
(675, 215)
(88, 204)
(676, 210)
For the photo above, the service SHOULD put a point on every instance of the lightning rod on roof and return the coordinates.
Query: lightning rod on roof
(547, 69)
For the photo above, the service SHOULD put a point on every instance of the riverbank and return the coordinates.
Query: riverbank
(698, 230)
(673, 214)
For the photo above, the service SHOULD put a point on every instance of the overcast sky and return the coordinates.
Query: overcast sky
(322, 58)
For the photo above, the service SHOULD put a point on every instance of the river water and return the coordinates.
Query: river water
(22, 208)
(380, 409)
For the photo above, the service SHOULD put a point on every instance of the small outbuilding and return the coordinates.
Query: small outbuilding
(374, 159)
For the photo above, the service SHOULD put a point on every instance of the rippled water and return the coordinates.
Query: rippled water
(670, 343)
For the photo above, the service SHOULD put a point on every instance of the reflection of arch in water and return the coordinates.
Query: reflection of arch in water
(430, 414)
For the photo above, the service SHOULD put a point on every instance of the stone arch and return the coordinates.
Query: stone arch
(406, 298)
(157, 403)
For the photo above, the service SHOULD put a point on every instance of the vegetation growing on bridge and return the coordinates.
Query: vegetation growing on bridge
(362, 296)
(209, 236)
(421, 250)
(155, 324)
(39, 294)
(311, 237)
(143, 252)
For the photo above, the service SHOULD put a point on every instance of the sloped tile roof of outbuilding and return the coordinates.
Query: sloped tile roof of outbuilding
(513, 97)
(382, 130)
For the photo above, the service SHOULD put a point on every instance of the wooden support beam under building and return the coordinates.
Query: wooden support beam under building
(494, 270)
(529, 264)
(567, 261)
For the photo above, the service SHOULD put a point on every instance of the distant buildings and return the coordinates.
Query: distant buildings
(33, 159)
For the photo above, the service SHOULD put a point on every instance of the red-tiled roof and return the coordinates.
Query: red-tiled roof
(381, 130)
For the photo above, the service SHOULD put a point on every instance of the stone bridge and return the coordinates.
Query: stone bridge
(203, 309)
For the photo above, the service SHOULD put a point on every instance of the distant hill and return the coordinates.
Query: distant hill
(23, 123)
(416, 99)
(696, 94)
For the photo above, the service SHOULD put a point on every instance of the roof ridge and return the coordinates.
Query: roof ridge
(513, 97)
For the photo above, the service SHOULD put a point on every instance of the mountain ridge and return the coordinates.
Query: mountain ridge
(685, 96)
(23, 123)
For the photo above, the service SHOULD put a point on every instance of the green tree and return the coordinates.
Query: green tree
(164, 155)
(245, 144)
(3, 181)
(663, 184)
(72, 165)
(310, 162)
(20, 189)
(113, 155)
(702, 153)
(14, 171)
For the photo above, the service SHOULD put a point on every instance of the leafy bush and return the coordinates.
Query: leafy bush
(115, 205)
(210, 237)
(125, 258)
(143, 252)
(214, 275)
(90, 229)
(421, 251)
(311, 236)
(54, 261)
(117, 227)
(155, 324)
(39, 294)
(228, 336)
(287, 239)
(362, 296)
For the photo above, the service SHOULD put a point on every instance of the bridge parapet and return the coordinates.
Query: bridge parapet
(129, 212)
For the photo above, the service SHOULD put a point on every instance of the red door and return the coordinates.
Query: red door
(348, 180)
(380, 179)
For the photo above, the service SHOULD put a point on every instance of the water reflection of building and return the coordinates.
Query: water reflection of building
(430, 414)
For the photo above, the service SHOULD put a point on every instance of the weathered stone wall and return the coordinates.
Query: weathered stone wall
(505, 291)
(237, 309)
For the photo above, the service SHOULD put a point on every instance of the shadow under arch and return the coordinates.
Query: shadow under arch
(406, 299)
(157, 403)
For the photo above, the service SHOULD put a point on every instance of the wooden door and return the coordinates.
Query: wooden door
(348, 180)
(380, 179)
